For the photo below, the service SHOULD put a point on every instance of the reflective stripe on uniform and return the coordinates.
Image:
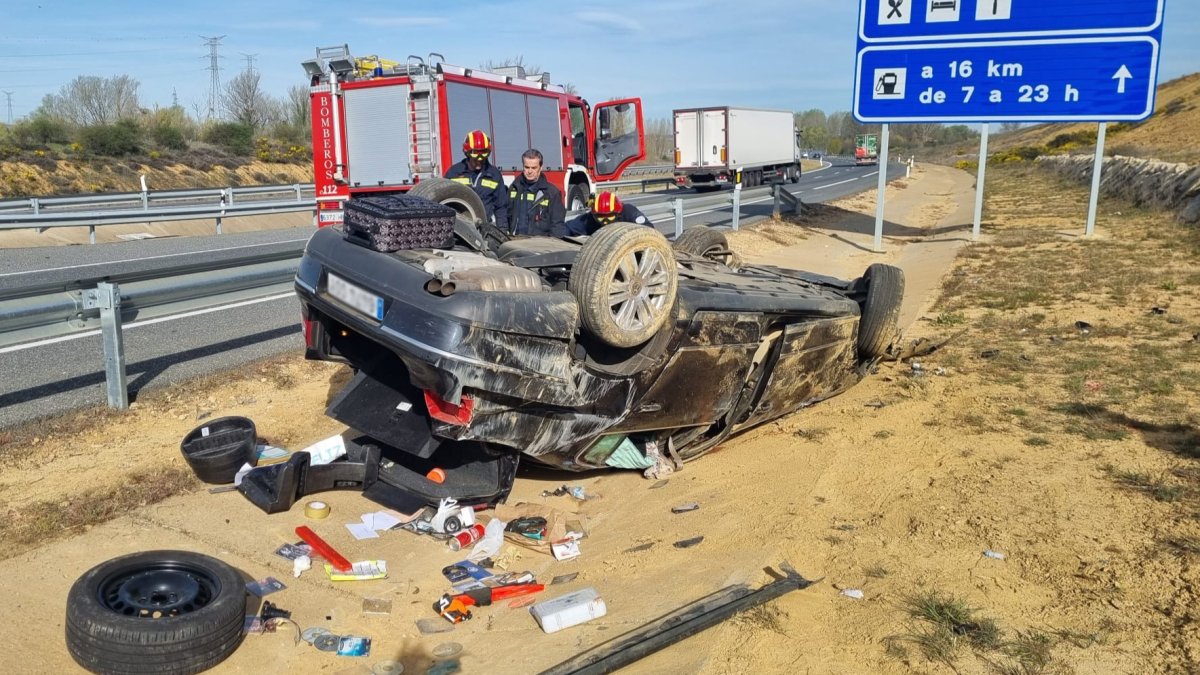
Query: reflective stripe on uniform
(489, 184)
(462, 179)
(544, 202)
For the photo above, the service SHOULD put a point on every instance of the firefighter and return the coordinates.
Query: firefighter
(536, 206)
(486, 179)
(606, 208)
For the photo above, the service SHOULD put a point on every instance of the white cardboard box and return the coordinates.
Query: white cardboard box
(569, 610)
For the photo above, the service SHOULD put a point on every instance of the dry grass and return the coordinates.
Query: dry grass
(39, 523)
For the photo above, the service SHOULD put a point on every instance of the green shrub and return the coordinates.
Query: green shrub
(169, 137)
(40, 131)
(113, 140)
(235, 137)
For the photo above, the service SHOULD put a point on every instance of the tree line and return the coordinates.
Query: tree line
(104, 116)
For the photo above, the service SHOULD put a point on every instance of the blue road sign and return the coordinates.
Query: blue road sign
(1110, 79)
(929, 20)
(1007, 60)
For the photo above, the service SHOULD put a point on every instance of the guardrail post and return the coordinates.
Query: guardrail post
(222, 213)
(678, 204)
(91, 234)
(737, 204)
(296, 187)
(107, 298)
(777, 189)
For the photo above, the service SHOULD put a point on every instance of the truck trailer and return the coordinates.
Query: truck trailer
(381, 127)
(866, 149)
(714, 145)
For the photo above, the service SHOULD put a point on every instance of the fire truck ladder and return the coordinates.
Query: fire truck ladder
(423, 122)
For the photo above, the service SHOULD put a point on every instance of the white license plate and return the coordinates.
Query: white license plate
(331, 217)
(367, 303)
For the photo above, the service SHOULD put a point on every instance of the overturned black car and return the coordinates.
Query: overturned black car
(615, 350)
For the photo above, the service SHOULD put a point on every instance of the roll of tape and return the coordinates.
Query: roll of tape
(316, 510)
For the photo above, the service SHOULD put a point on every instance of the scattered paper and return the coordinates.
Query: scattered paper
(362, 531)
(382, 520)
(246, 468)
(324, 452)
(565, 549)
(852, 593)
(293, 551)
(359, 571)
(301, 565)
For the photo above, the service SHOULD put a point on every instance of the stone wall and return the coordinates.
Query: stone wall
(1145, 182)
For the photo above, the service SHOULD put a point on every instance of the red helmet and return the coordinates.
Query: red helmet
(607, 206)
(477, 143)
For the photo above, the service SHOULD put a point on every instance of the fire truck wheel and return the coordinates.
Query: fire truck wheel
(624, 281)
(577, 197)
(457, 196)
(705, 242)
(881, 310)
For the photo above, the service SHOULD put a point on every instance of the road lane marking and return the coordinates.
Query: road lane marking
(146, 322)
(838, 183)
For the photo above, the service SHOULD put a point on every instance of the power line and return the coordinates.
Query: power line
(249, 61)
(214, 69)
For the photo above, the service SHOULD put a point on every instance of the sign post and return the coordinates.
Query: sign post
(981, 178)
(1092, 201)
(982, 61)
(881, 200)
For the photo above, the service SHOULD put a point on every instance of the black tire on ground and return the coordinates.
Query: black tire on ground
(170, 612)
(461, 198)
(625, 282)
(705, 242)
(794, 173)
(881, 310)
(577, 197)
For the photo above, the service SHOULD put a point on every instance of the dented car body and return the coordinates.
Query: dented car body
(468, 362)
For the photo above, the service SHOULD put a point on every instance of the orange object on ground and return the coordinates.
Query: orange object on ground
(437, 475)
(323, 549)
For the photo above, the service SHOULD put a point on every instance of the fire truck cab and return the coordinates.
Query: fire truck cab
(382, 126)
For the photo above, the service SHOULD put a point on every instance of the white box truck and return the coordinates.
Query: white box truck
(713, 144)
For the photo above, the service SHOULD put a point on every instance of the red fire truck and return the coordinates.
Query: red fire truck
(381, 126)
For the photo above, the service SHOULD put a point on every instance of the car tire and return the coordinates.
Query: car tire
(461, 198)
(705, 242)
(881, 310)
(625, 283)
(794, 174)
(577, 197)
(170, 612)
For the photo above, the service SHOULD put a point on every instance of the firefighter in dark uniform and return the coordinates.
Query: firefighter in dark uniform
(484, 178)
(536, 206)
(606, 208)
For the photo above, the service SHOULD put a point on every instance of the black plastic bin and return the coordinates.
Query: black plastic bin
(217, 449)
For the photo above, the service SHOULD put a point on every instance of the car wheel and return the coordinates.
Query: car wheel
(881, 310)
(705, 242)
(577, 197)
(457, 196)
(157, 611)
(624, 281)
(794, 174)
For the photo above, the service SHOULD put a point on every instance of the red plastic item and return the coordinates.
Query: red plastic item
(323, 549)
(445, 411)
(506, 592)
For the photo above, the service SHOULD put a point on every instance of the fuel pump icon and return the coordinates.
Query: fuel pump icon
(887, 84)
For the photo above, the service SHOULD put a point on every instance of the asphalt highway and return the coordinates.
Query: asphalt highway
(55, 376)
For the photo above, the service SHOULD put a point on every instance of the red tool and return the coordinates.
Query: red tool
(323, 549)
(457, 608)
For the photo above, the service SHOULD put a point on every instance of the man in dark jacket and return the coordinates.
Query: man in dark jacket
(606, 208)
(486, 179)
(536, 206)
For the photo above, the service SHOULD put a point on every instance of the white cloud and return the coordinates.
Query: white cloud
(609, 20)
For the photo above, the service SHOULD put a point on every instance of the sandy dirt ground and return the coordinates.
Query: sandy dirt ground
(887, 488)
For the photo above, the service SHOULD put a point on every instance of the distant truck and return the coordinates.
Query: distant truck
(713, 144)
(866, 149)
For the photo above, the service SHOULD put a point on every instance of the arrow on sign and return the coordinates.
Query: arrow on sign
(1122, 75)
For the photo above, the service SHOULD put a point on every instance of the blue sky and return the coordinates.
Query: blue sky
(791, 54)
